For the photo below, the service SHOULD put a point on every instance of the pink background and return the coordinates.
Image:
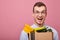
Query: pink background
(15, 13)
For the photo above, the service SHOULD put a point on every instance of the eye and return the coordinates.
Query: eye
(43, 12)
(37, 11)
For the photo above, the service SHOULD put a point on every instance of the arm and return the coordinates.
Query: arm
(23, 36)
(56, 36)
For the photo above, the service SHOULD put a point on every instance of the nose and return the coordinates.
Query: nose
(40, 14)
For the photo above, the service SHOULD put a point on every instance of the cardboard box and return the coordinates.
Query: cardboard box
(41, 36)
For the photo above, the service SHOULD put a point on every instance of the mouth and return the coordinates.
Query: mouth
(40, 18)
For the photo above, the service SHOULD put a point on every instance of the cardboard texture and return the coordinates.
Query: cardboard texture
(41, 36)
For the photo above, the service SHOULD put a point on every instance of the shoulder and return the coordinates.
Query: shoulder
(55, 33)
(23, 32)
(50, 27)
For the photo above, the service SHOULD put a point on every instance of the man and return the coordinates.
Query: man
(39, 15)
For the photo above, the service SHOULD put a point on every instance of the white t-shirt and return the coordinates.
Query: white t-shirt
(24, 35)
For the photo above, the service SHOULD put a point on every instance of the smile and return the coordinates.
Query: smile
(40, 18)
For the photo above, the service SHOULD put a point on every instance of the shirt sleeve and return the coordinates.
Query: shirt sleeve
(56, 36)
(23, 36)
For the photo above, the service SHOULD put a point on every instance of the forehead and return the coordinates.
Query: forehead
(41, 8)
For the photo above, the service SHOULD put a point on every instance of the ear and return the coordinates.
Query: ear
(32, 14)
(46, 14)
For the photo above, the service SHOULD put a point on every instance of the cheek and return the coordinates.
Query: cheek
(44, 15)
(35, 16)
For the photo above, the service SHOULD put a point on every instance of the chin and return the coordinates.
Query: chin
(39, 23)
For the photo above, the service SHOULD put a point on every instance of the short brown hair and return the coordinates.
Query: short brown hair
(39, 4)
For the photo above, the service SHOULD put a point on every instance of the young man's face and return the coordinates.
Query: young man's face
(39, 14)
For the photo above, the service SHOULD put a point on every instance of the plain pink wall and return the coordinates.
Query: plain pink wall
(15, 13)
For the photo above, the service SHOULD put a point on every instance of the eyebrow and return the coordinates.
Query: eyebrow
(39, 11)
